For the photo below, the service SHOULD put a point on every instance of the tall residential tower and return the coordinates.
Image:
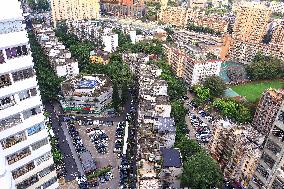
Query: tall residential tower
(26, 159)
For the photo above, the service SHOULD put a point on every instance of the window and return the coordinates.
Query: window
(23, 170)
(2, 59)
(46, 171)
(268, 160)
(43, 158)
(35, 129)
(14, 139)
(31, 112)
(24, 95)
(23, 74)
(7, 102)
(5, 80)
(16, 51)
(18, 156)
(39, 144)
(28, 182)
(10, 122)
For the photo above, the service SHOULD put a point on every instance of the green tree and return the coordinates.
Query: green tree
(215, 85)
(188, 148)
(115, 98)
(202, 93)
(201, 172)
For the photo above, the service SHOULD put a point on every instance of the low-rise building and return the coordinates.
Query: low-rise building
(171, 168)
(99, 57)
(156, 129)
(86, 94)
(217, 23)
(244, 52)
(59, 57)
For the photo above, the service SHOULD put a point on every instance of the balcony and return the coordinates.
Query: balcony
(7, 102)
(28, 182)
(18, 156)
(12, 140)
(10, 122)
(23, 170)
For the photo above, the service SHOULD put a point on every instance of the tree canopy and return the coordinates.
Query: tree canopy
(265, 67)
(215, 84)
(39, 5)
(201, 172)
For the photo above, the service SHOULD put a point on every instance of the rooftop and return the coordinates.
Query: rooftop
(86, 85)
(171, 158)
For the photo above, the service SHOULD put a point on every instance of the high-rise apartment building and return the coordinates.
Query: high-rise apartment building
(278, 33)
(237, 151)
(269, 172)
(267, 109)
(251, 22)
(74, 9)
(26, 160)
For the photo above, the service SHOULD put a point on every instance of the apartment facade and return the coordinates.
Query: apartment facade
(126, 11)
(251, 22)
(191, 70)
(267, 109)
(74, 9)
(269, 172)
(176, 16)
(244, 52)
(217, 23)
(26, 159)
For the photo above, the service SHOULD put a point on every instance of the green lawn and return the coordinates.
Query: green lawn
(252, 91)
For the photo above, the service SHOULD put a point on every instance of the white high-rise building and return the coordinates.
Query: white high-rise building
(25, 152)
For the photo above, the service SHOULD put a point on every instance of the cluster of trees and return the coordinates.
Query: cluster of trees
(49, 83)
(211, 91)
(210, 88)
(39, 5)
(233, 109)
(265, 67)
(200, 171)
(202, 29)
(117, 70)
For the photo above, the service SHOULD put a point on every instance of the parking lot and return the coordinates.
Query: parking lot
(104, 158)
(199, 123)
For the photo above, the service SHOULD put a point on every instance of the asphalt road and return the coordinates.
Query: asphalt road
(70, 164)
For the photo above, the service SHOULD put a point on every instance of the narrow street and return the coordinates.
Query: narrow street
(68, 159)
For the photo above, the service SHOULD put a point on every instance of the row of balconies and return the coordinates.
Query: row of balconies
(10, 122)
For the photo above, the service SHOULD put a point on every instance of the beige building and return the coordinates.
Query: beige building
(245, 52)
(270, 169)
(251, 22)
(237, 151)
(267, 109)
(74, 9)
(217, 23)
(177, 16)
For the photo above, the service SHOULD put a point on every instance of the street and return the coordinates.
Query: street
(68, 159)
